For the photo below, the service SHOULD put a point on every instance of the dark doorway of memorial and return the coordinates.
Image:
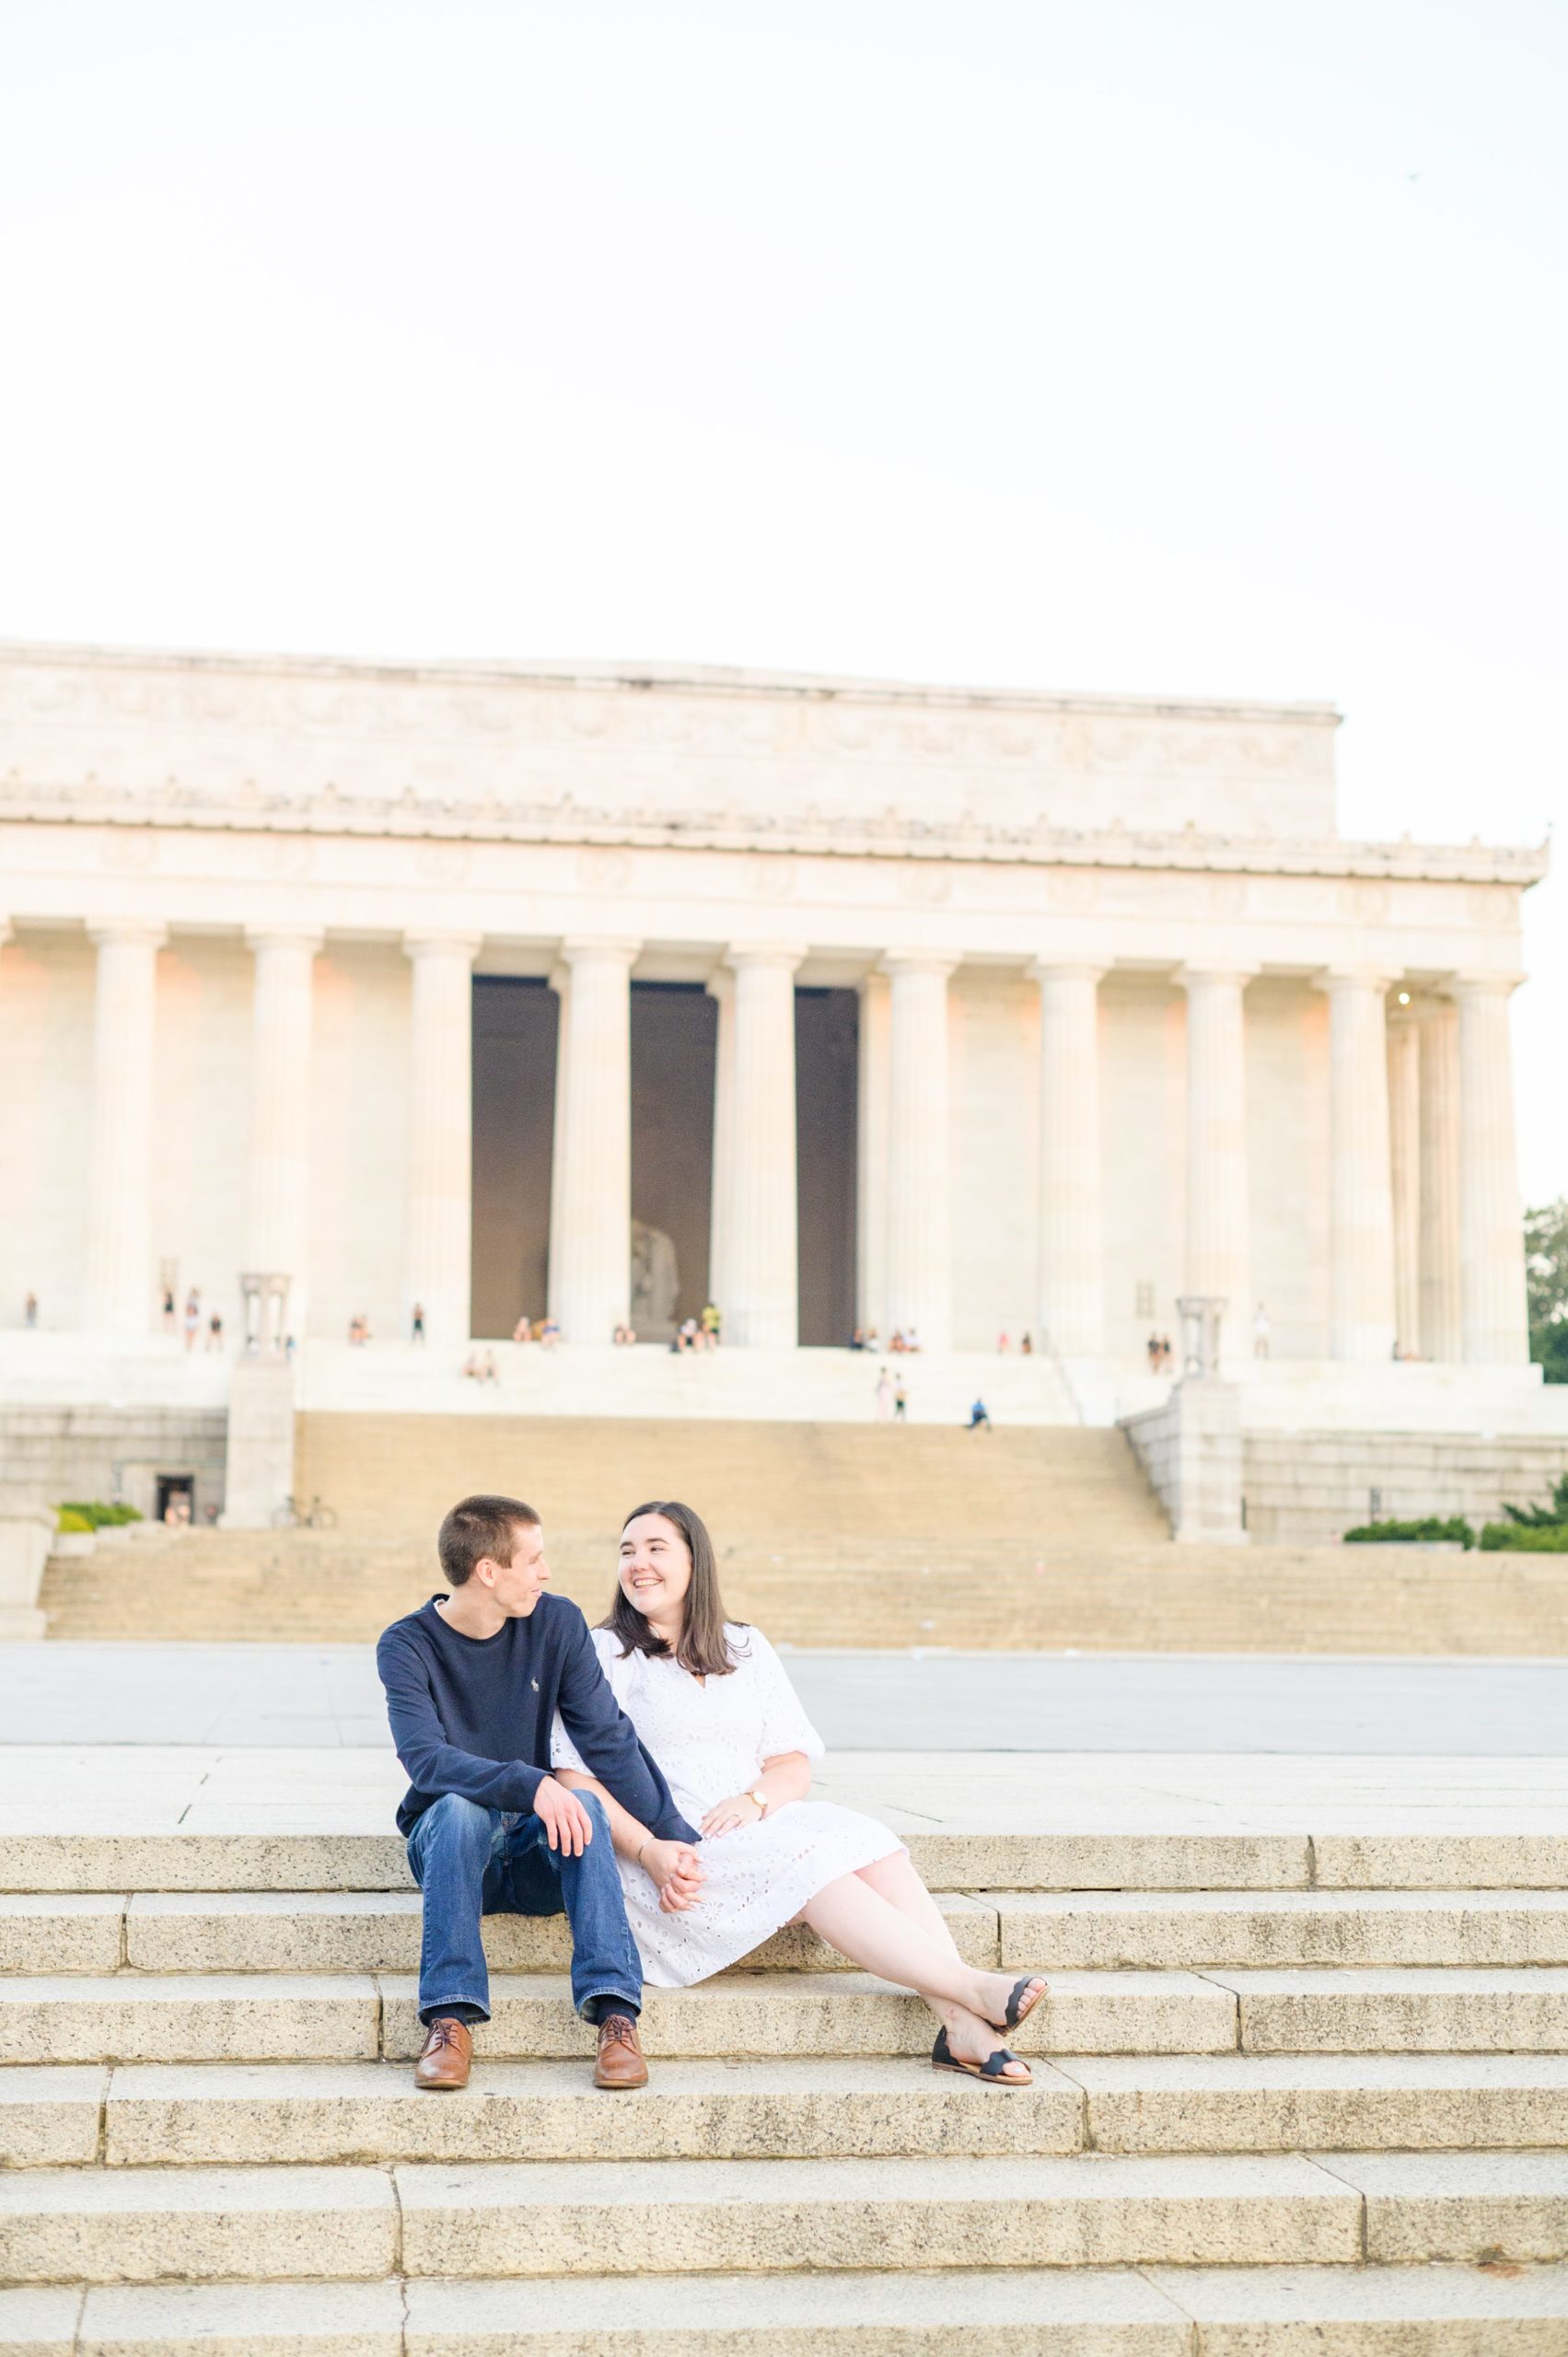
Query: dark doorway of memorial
(674, 1051)
(826, 1080)
(175, 1497)
(516, 1028)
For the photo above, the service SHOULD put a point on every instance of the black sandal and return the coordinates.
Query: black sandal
(990, 2071)
(1016, 2010)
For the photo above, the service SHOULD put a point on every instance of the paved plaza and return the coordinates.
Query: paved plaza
(1269, 1803)
(328, 1697)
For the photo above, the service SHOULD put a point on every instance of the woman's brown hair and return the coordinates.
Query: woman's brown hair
(702, 1648)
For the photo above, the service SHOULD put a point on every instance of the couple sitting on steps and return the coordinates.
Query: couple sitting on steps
(651, 1779)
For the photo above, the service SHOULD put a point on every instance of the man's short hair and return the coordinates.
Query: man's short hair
(481, 1527)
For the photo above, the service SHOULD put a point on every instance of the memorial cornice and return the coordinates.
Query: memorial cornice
(632, 678)
(563, 822)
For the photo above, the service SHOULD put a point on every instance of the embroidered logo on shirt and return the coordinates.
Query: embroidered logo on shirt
(534, 1683)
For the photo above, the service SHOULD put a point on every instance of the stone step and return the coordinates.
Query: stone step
(566, 2218)
(322, 1932)
(1363, 2010)
(1094, 2312)
(1098, 2312)
(553, 2218)
(753, 2013)
(202, 2017)
(805, 2108)
(138, 2225)
(297, 1853)
(1245, 2103)
(231, 1857)
(1162, 1928)
(139, 2114)
(371, 1931)
(280, 2016)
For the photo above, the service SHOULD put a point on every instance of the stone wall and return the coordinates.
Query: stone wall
(48, 1454)
(1315, 1486)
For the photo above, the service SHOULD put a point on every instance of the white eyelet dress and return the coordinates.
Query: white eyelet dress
(711, 1738)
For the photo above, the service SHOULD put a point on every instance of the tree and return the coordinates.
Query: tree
(1546, 1283)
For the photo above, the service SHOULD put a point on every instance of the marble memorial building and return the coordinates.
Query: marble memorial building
(468, 984)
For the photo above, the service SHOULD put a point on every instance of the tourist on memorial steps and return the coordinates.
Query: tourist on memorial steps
(712, 1702)
(475, 1680)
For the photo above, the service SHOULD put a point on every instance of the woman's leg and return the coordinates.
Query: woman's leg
(896, 1880)
(872, 1933)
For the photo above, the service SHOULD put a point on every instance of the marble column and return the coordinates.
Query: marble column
(1071, 1312)
(1219, 1261)
(920, 1207)
(1360, 1205)
(871, 1156)
(590, 1214)
(118, 1272)
(277, 1213)
(1404, 1162)
(761, 1250)
(720, 989)
(1440, 1327)
(1494, 1329)
(439, 1272)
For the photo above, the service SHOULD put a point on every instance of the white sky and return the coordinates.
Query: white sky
(1202, 345)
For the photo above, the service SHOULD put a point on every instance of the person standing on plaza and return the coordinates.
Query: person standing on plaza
(475, 1680)
(416, 1324)
(900, 1402)
(884, 1398)
(192, 1316)
(30, 1311)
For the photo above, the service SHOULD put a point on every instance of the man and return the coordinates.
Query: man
(473, 1682)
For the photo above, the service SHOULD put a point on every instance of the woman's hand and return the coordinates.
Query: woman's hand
(728, 1817)
(676, 1872)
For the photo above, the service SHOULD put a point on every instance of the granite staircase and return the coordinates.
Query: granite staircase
(1291, 2095)
(954, 1586)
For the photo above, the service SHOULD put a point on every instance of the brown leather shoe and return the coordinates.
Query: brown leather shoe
(447, 2053)
(620, 2063)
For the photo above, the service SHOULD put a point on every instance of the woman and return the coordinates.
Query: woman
(710, 1700)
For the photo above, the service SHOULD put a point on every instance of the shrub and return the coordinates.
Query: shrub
(1431, 1526)
(1526, 1538)
(96, 1515)
(1550, 1517)
(68, 1518)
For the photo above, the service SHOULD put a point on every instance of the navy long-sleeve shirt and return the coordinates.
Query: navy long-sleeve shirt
(473, 1715)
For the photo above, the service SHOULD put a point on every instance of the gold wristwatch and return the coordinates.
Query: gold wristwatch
(759, 1797)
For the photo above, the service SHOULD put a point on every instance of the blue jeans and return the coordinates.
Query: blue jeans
(471, 1862)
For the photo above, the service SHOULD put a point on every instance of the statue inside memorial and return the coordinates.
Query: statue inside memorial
(655, 1282)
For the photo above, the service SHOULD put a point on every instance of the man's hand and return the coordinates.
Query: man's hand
(568, 1825)
(677, 1874)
